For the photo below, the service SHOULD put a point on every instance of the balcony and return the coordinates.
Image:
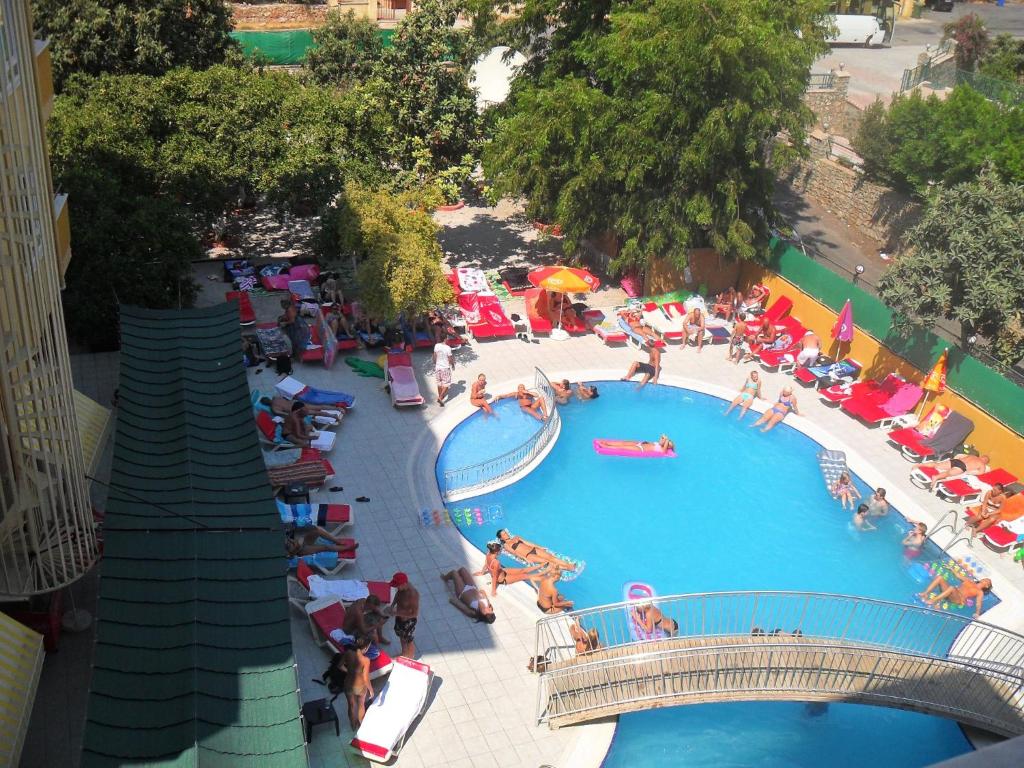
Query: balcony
(392, 10)
(62, 233)
(44, 78)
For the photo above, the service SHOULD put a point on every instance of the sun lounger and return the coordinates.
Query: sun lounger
(968, 489)
(883, 389)
(301, 290)
(403, 699)
(776, 312)
(634, 338)
(273, 343)
(235, 269)
(246, 314)
(670, 328)
(326, 618)
(882, 413)
(401, 380)
(944, 443)
(829, 375)
(279, 282)
(515, 281)
(294, 389)
(327, 562)
(332, 517)
(313, 473)
(537, 317)
(484, 316)
(783, 360)
(312, 586)
(603, 328)
(270, 432)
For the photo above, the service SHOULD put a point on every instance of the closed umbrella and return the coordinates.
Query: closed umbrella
(563, 280)
(935, 381)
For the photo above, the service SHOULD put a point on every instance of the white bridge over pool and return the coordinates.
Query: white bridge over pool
(773, 646)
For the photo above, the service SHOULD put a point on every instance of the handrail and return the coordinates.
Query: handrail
(821, 81)
(475, 478)
(714, 627)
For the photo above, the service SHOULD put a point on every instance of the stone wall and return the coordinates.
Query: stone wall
(270, 16)
(878, 211)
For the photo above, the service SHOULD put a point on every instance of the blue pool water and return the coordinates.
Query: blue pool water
(737, 510)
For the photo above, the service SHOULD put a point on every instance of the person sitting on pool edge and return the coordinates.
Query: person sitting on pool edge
(528, 552)
(987, 514)
(777, 412)
(528, 402)
(500, 575)
(478, 395)
(468, 597)
(749, 392)
(586, 640)
(966, 591)
(549, 599)
(651, 370)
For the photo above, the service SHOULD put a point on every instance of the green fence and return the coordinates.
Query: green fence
(967, 376)
(287, 46)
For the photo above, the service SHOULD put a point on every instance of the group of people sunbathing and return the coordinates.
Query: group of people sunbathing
(300, 417)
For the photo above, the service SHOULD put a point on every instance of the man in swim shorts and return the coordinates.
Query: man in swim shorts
(961, 594)
(810, 349)
(406, 609)
(962, 464)
(651, 370)
(877, 504)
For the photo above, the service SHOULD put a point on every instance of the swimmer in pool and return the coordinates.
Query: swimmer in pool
(914, 541)
(860, 519)
(531, 553)
(962, 594)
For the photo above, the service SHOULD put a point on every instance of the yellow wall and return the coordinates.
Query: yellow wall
(990, 436)
(44, 78)
(706, 268)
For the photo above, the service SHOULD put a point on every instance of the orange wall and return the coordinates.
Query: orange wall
(706, 267)
(990, 436)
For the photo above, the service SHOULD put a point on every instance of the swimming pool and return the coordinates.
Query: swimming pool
(737, 510)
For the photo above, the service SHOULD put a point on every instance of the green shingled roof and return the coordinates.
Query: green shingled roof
(193, 662)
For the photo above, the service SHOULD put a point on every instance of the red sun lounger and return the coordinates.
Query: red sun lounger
(388, 719)
(326, 619)
(969, 490)
(246, 314)
(872, 410)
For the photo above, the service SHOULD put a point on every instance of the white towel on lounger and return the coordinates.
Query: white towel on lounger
(346, 590)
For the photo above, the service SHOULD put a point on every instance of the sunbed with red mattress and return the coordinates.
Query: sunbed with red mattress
(606, 330)
(537, 318)
(911, 437)
(830, 375)
(326, 619)
(246, 314)
(402, 700)
(840, 393)
(279, 282)
(871, 410)
(774, 314)
(960, 490)
(484, 316)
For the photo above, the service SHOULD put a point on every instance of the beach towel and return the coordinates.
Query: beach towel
(951, 434)
(472, 279)
(272, 342)
(346, 590)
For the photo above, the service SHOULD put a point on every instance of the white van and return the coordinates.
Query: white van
(857, 30)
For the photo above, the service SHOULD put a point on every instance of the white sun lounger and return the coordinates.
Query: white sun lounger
(393, 711)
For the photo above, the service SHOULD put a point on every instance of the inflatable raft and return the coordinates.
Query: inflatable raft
(631, 449)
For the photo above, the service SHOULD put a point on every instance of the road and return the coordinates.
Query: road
(877, 72)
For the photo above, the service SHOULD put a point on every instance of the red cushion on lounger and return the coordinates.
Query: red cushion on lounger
(910, 438)
(338, 513)
(999, 536)
(373, 749)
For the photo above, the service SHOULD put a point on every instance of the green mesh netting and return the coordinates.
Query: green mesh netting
(287, 46)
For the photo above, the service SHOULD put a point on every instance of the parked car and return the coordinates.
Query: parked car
(939, 5)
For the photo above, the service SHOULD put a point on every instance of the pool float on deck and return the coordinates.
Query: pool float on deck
(364, 367)
(638, 592)
(631, 449)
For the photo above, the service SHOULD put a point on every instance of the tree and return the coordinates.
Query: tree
(396, 246)
(972, 40)
(919, 142)
(144, 36)
(656, 119)
(965, 262)
(347, 49)
(1004, 60)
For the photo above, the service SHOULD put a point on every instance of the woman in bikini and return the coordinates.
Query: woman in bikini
(664, 444)
(468, 597)
(749, 392)
(500, 575)
(478, 395)
(987, 513)
(650, 618)
(586, 640)
(777, 412)
(962, 594)
(528, 552)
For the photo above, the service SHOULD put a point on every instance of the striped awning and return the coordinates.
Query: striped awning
(21, 661)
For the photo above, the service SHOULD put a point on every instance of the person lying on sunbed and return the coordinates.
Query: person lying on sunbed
(500, 575)
(636, 324)
(528, 552)
(296, 429)
(468, 597)
(282, 406)
(961, 464)
(310, 539)
(961, 594)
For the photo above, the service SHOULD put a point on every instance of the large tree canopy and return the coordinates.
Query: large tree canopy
(143, 36)
(965, 262)
(656, 119)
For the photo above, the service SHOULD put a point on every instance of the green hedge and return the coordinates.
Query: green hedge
(967, 376)
(287, 46)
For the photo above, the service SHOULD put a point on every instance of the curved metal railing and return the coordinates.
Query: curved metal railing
(476, 478)
(801, 646)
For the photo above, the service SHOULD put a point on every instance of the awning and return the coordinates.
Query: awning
(193, 662)
(93, 426)
(21, 661)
